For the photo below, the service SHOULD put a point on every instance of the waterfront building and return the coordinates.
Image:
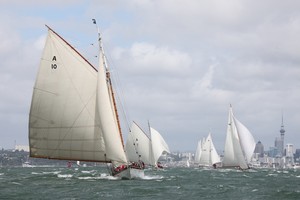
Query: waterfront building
(22, 148)
(259, 149)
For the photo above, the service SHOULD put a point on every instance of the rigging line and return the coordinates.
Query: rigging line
(115, 79)
(123, 110)
(119, 89)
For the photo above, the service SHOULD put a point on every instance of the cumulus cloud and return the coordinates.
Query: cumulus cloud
(148, 59)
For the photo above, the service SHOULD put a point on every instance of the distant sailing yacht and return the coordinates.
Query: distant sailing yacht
(73, 114)
(239, 144)
(206, 154)
(138, 145)
(141, 148)
(209, 155)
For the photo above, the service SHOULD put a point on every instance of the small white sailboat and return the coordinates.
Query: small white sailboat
(239, 144)
(141, 148)
(188, 163)
(206, 153)
(73, 114)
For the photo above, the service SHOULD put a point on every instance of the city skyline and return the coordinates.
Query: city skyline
(281, 131)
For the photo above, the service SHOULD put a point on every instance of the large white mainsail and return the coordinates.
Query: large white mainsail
(62, 122)
(138, 145)
(239, 144)
(159, 146)
(72, 114)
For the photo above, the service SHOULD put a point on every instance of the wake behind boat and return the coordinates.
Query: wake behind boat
(73, 114)
(239, 144)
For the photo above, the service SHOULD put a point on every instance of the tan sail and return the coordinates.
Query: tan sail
(72, 114)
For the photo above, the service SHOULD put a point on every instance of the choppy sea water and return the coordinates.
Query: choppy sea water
(171, 183)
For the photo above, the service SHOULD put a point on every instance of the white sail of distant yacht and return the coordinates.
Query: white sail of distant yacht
(206, 154)
(209, 155)
(139, 147)
(159, 146)
(73, 114)
(239, 144)
(198, 152)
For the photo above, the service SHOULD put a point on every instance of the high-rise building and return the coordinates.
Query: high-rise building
(259, 148)
(297, 153)
(289, 150)
(279, 141)
(289, 155)
(279, 146)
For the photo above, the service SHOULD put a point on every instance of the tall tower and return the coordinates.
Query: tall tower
(282, 131)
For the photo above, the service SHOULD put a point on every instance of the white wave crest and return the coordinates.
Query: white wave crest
(64, 175)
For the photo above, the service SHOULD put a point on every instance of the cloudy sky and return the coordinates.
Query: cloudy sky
(180, 64)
